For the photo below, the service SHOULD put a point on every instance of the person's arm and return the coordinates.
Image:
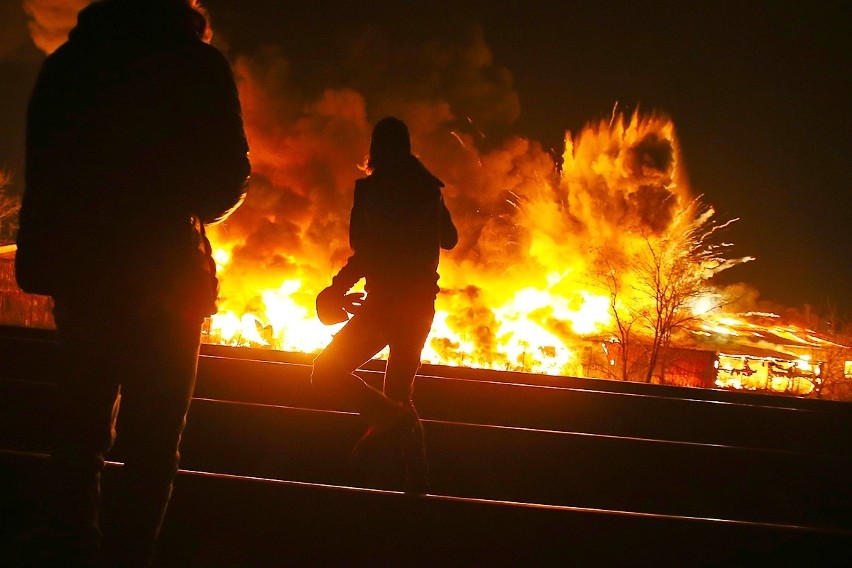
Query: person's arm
(222, 165)
(37, 215)
(347, 276)
(353, 271)
(58, 157)
(51, 157)
(449, 234)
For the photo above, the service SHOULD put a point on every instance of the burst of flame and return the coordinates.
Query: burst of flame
(515, 294)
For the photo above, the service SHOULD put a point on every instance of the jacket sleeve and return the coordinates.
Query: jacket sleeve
(58, 150)
(39, 209)
(219, 171)
(41, 149)
(353, 271)
(449, 234)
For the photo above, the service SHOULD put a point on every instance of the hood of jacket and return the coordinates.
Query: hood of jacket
(411, 169)
(112, 23)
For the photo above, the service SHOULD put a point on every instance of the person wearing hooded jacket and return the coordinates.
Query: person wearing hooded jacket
(135, 140)
(398, 225)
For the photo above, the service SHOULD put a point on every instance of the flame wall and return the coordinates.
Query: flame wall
(516, 289)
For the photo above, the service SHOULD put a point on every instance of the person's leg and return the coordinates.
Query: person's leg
(86, 403)
(359, 340)
(408, 329)
(375, 460)
(159, 378)
(409, 332)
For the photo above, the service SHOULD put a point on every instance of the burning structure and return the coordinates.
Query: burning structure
(597, 262)
(552, 252)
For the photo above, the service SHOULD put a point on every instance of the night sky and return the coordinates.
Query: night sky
(758, 92)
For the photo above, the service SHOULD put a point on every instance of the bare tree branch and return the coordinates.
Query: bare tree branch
(9, 207)
(654, 292)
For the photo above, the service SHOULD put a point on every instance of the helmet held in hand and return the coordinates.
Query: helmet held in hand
(330, 306)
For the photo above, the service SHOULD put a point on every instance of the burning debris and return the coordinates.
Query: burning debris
(771, 374)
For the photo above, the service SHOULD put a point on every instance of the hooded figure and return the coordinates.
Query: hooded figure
(399, 221)
(135, 140)
(397, 227)
(133, 127)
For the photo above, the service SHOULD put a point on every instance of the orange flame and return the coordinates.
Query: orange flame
(515, 293)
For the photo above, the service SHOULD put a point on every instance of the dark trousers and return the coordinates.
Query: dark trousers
(401, 323)
(127, 372)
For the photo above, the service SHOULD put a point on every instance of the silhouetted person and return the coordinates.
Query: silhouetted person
(397, 227)
(134, 139)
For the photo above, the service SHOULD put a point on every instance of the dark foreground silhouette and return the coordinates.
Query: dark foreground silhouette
(134, 141)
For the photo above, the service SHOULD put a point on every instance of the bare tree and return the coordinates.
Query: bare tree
(610, 266)
(9, 207)
(659, 288)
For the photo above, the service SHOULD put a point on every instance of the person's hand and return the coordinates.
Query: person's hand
(353, 302)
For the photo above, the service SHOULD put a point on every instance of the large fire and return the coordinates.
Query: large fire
(519, 292)
(516, 294)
